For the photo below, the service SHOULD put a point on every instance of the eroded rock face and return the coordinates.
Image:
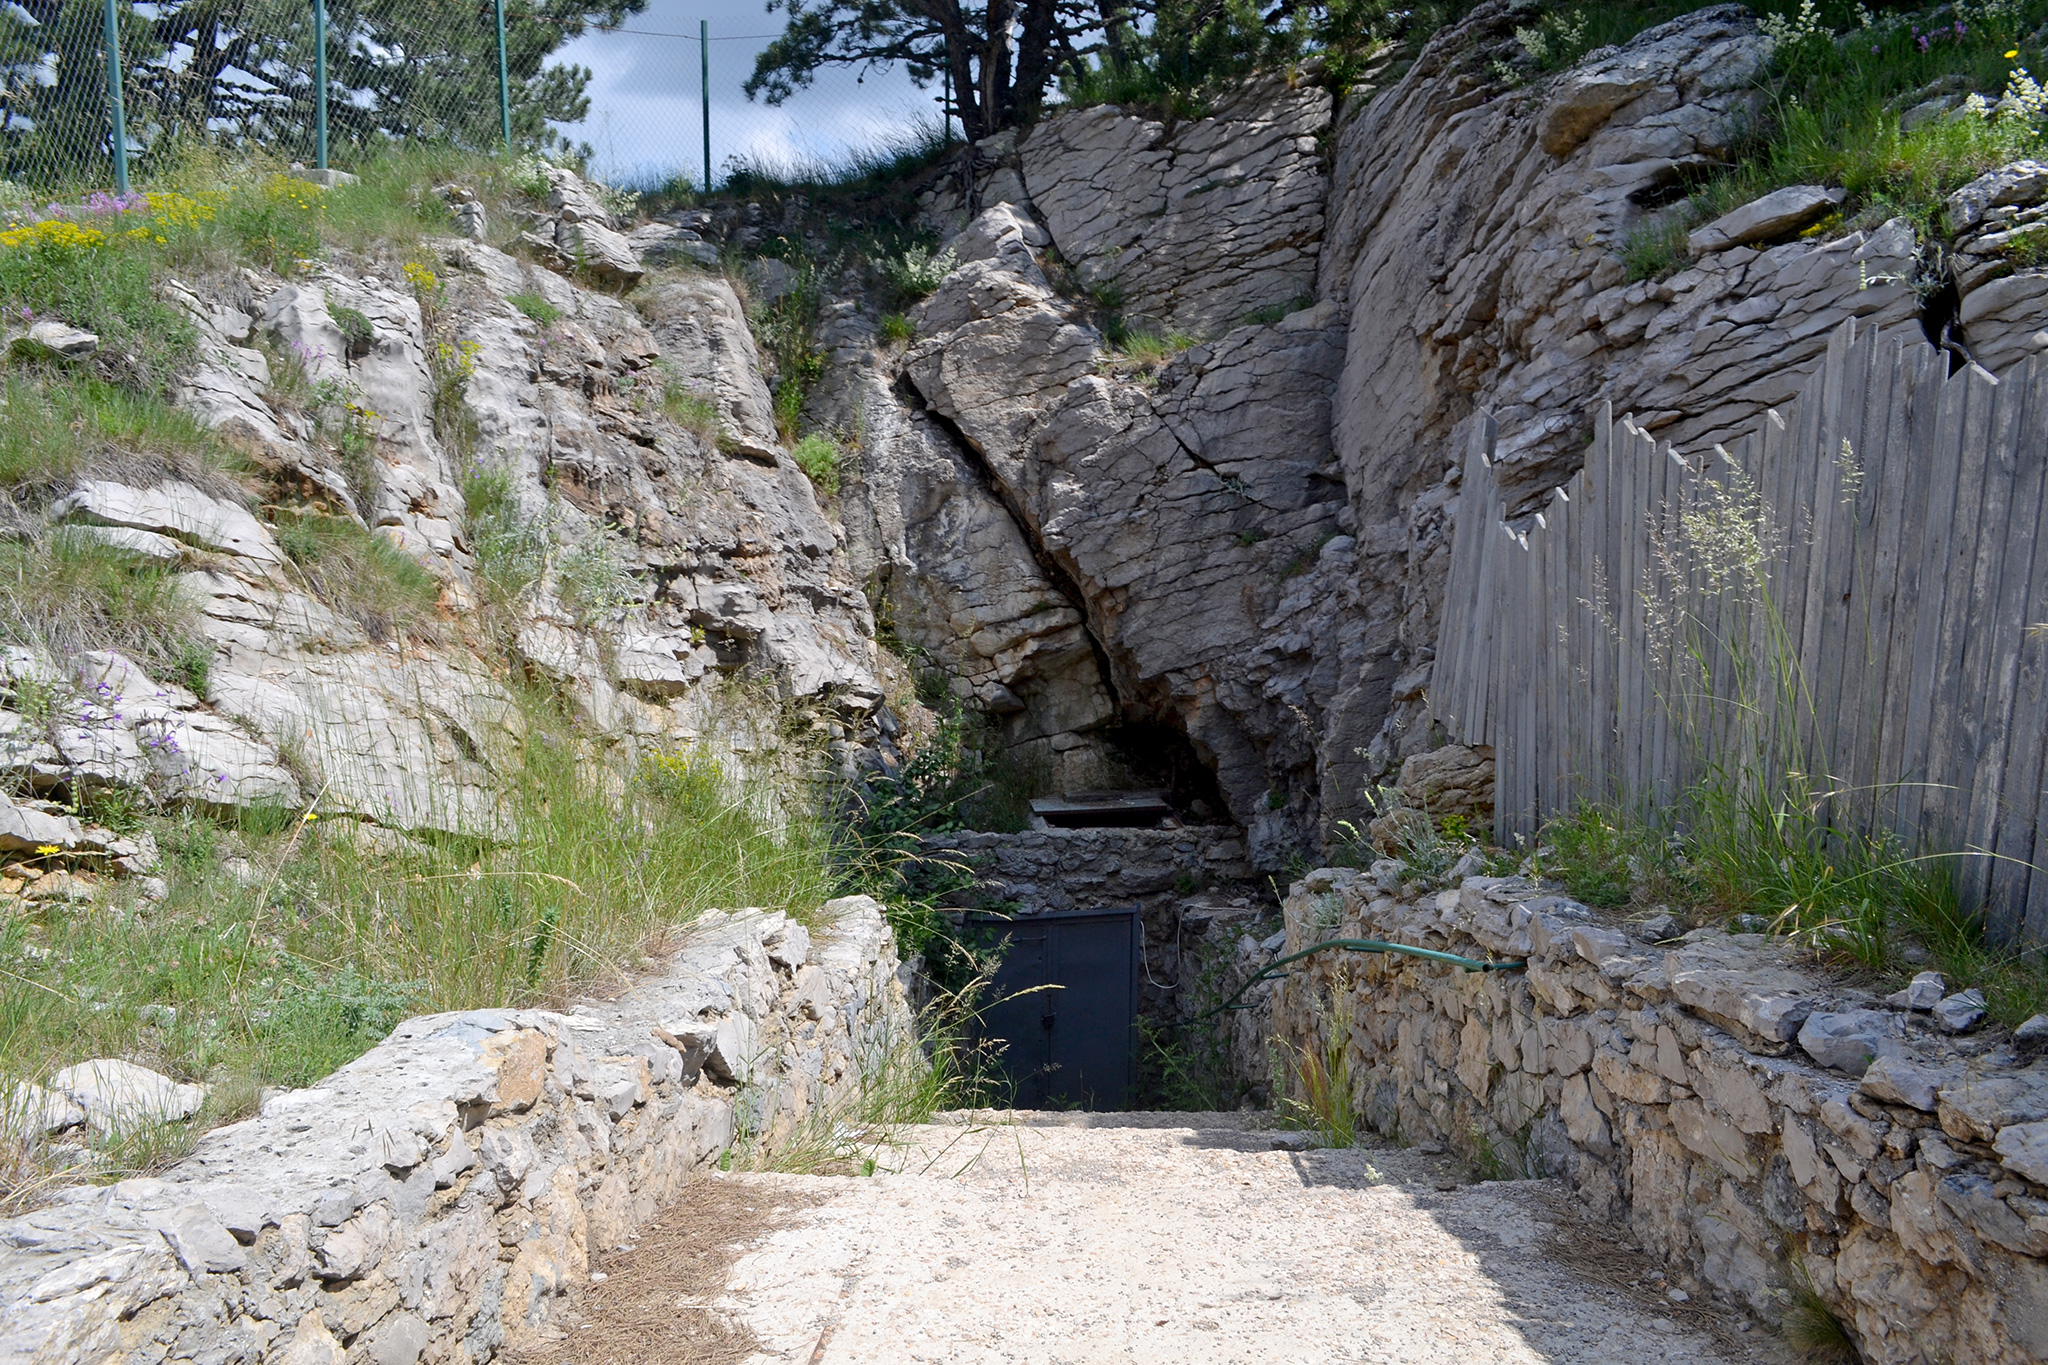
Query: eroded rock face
(1196, 228)
(701, 549)
(1193, 516)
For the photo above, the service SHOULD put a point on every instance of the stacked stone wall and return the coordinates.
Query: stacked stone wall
(1675, 1089)
(438, 1198)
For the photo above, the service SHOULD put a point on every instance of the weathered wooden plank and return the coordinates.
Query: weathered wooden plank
(1765, 632)
(1841, 595)
(2019, 452)
(2019, 888)
(1598, 510)
(1949, 763)
(1878, 559)
(1631, 506)
(1943, 452)
(1923, 423)
(1978, 740)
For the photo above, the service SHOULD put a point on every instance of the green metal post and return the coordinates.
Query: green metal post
(504, 80)
(116, 114)
(704, 83)
(320, 84)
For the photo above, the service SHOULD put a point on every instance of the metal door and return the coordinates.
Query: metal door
(1064, 1004)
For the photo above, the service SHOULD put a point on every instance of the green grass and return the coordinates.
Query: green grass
(535, 307)
(818, 456)
(68, 594)
(511, 550)
(60, 425)
(1319, 1096)
(104, 282)
(362, 575)
(916, 272)
(1832, 101)
(276, 978)
(897, 330)
(1864, 902)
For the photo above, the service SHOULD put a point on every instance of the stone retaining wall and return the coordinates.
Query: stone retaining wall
(1671, 1087)
(437, 1199)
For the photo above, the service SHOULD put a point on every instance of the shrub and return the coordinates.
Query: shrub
(897, 329)
(818, 456)
(103, 281)
(277, 223)
(1655, 247)
(917, 272)
(591, 579)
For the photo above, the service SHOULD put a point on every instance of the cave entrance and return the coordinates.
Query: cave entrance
(1065, 1007)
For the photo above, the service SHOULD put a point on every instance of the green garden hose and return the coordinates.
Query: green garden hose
(1273, 970)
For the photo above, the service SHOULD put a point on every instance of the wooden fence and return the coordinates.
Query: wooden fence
(1853, 592)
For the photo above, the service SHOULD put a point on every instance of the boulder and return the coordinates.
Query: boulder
(1773, 215)
(1850, 1040)
(593, 248)
(2016, 182)
(2023, 1149)
(1454, 780)
(49, 339)
(120, 1097)
(29, 1112)
(1961, 1012)
(1893, 1079)
(1923, 993)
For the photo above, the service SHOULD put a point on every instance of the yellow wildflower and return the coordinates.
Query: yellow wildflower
(422, 280)
(309, 817)
(52, 234)
(47, 849)
(2012, 54)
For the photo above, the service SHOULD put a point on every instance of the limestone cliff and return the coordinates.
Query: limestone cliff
(1255, 536)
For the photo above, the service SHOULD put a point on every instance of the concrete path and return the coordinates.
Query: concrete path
(1183, 1238)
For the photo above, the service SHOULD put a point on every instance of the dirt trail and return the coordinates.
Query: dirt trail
(1187, 1238)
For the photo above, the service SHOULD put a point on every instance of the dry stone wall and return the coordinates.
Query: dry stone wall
(438, 1198)
(1748, 1118)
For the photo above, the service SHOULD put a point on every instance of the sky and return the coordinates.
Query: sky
(646, 102)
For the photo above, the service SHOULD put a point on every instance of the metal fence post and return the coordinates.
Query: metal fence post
(704, 82)
(504, 79)
(116, 114)
(320, 84)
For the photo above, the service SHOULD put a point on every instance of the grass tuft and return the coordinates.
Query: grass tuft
(362, 574)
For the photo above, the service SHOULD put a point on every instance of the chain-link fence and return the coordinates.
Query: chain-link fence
(247, 74)
(668, 100)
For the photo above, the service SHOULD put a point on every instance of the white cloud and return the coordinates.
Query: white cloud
(646, 99)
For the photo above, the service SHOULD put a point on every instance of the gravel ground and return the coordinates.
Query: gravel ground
(1189, 1238)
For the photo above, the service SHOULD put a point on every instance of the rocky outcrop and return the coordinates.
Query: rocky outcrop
(1191, 514)
(2001, 224)
(439, 1197)
(1197, 226)
(701, 550)
(1661, 1081)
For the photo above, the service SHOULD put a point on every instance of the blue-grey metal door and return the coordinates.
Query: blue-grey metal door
(1064, 1005)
